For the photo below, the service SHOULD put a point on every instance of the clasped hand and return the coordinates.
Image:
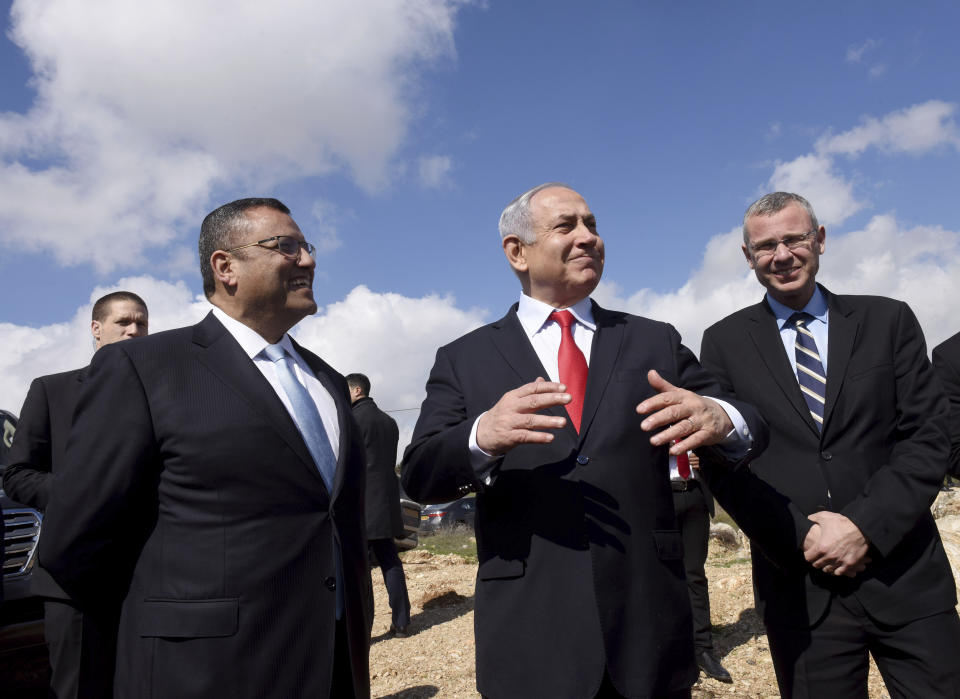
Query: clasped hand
(835, 545)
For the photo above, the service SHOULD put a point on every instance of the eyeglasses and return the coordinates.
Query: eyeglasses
(287, 245)
(793, 242)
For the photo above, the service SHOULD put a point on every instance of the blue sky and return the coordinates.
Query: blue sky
(397, 131)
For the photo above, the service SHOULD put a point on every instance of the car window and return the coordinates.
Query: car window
(8, 425)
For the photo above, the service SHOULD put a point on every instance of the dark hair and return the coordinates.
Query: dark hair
(219, 228)
(102, 306)
(360, 380)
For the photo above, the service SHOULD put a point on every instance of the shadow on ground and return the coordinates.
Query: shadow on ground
(422, 691)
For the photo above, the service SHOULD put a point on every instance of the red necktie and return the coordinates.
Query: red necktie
(683, 465)
(572, 366)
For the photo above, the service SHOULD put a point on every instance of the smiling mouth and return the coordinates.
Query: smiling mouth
(301, 283)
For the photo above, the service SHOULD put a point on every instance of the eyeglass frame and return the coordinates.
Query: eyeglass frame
(301, 246)
(791, 242)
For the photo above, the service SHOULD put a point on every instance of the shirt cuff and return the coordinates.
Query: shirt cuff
(738, 440)
(480, 461)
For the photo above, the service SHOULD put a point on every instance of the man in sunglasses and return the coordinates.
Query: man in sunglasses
(858, 450)
(222, 494)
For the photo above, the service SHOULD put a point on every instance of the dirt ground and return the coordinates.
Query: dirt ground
(437, 659)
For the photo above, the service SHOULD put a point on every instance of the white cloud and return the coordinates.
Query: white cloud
(915, 130)
(31, 352)
(324, 233)
(143, 108)
(435, 171)
(815, 177)
(855, 52)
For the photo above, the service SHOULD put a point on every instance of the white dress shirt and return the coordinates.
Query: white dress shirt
(253, 344)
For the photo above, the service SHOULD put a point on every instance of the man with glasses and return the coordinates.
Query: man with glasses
(858, 450)
(81, 646)
(222, 491)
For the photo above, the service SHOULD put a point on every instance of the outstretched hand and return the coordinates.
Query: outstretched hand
(694, 421)
(514, 419)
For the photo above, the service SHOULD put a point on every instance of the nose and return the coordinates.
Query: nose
(781, 252)
(306, 259)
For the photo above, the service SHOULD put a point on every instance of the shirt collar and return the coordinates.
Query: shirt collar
(249, 339)
(816, 306)
(534, 314)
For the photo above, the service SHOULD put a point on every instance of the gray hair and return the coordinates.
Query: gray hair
(516, 219)
(772, 203)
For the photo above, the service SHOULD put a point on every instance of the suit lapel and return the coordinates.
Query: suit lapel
(842, 333)
(223, 356)
(603, 358)
(766, 337)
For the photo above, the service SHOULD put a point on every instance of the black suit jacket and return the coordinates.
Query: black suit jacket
(881, 457)
(380, 437)
(38, 451)
(946, 360)
(580, 558)
(200, 506)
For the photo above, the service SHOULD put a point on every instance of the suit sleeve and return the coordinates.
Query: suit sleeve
(901, 490)
(436, 465)
(28, 476)
(774, 524)
(97, 519)
(948, 371)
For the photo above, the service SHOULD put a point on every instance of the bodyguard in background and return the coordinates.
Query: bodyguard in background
(384, 518)
(81, 645)
(946, 360)
(693, 504)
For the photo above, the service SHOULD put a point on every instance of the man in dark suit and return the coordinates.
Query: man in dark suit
(384, 518)
(221, 494)
(580, 588)
(81, 647)
(858, 449)
(946, 361)
(693, 504)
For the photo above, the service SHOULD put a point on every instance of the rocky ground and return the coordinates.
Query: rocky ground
(437, 659)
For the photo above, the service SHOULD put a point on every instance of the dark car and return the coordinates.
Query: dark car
(447, 515)
(23, 655)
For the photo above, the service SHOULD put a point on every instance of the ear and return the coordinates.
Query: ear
(95, 330)
(515, 250)
(821, 239)
(746, 253)
(224, 271)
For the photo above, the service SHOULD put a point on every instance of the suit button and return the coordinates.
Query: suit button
(583, 460)
(331, 583)
(826, 456)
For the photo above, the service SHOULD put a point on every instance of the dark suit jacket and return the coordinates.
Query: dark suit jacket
(580, 558)
(946, 360)
(38, 451)
(199, 504)
(380, 437)
(881, 456)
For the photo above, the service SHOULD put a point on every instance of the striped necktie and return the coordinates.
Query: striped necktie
(810, 371)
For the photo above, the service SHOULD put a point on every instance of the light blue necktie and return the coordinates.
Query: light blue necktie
(310, 424)
(305, 414)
